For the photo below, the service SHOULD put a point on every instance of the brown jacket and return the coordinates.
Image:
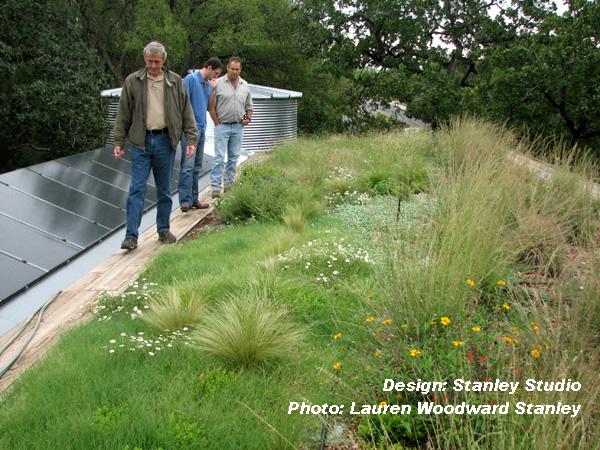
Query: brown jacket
(131, 117)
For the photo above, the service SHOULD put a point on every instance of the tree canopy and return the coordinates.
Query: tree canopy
(516, 61)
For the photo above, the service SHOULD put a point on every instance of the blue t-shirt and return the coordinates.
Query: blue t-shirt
(199, 91)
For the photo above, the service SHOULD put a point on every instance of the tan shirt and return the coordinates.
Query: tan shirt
(232, 103)
(155, 115)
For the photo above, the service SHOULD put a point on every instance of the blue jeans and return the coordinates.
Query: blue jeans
(228, 140)
(190, 170)
(158, 156)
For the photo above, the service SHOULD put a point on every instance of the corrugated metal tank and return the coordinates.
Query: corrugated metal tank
(274, 121)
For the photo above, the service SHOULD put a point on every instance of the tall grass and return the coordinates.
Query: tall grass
(247, 331)
(473, 211)
(493, 218)
(172, 311)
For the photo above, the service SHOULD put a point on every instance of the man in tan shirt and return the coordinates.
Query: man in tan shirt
(154, 110)
(230, 108)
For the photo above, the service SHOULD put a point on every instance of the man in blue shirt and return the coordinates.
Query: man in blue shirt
(199, 85)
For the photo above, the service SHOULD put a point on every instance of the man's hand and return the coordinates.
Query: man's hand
(190, 150)
(213, 82)
(118, 152)
(245, 122)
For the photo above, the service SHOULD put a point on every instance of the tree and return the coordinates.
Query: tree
(520, 61)
(50, 95)
(550, 80)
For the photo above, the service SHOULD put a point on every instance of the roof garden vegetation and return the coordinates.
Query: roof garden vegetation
(407, 256)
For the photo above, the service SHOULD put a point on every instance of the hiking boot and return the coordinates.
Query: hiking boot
(199, 205)
(216, 194)
(167, 237)
(129, 243)
(185, 207)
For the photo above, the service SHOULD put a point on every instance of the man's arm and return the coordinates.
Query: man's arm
(248, 105)
(189, 122)
(212, 106)
(123, 121)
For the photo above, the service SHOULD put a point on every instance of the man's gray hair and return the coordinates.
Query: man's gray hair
(156, 47)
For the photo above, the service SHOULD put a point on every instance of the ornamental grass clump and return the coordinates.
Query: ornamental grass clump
(172, 311)
(247, 331)
(298, 214)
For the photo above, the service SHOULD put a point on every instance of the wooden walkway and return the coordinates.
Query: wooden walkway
(73, 306)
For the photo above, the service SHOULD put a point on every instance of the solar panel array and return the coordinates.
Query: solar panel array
(53, 211)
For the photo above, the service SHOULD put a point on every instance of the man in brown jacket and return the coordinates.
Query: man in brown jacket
(154, 110)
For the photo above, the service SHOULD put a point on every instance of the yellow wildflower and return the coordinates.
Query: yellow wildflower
(414, 353)
(457, 343)
(475, 329)
(506, 306)
(508, 340)
(337, 365)
(535, 327)
(445, 321)
(500, 283)
(378, 353)
(387, 322)
(370, 319)
(368, 368)
(470, 282)
(535, 353)
(404, 326)
(382, 403)
(336, 336)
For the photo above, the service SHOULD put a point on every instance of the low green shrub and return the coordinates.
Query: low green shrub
(183, 432)
(262, 193)
(388, 429)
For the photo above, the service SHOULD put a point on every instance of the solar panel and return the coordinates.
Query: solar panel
(85, 183)
(65, 197)
(40, 249)
(20, 275)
